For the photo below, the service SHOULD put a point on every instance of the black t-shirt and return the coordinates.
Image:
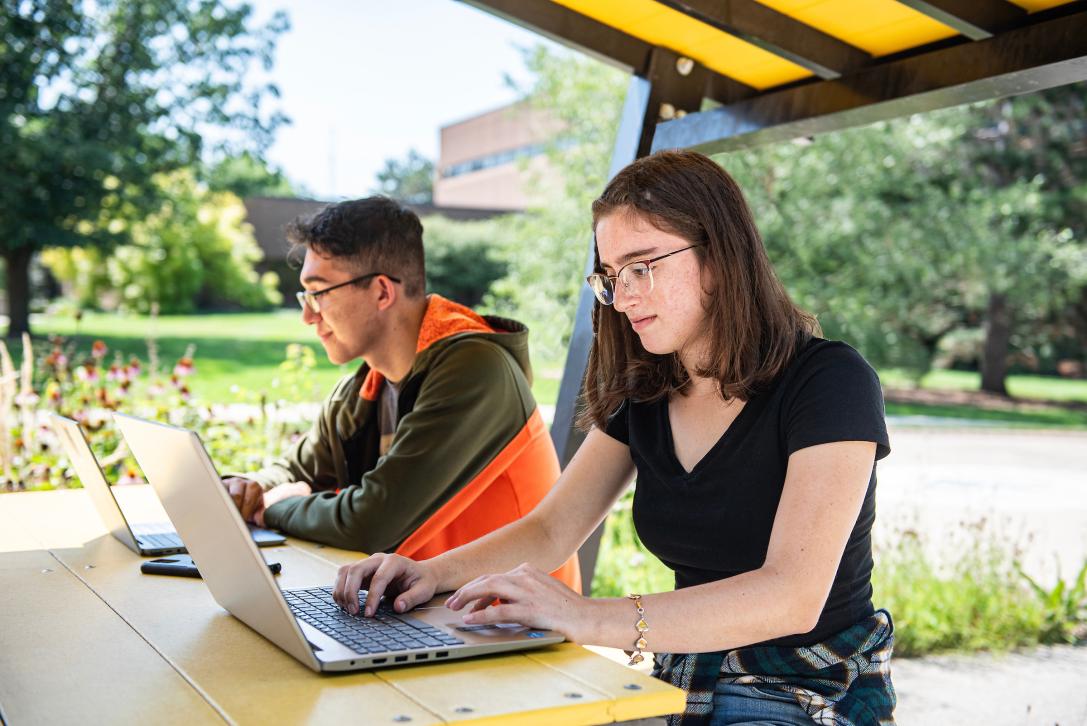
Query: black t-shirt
(715, 521)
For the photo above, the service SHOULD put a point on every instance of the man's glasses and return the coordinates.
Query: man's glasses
(637, 278)
(311, 298)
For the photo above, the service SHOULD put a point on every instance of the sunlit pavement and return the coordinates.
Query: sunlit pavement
(1029, 488)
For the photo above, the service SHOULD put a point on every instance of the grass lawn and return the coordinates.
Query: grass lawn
(245, 350)
(1048, 388)
(237, 349)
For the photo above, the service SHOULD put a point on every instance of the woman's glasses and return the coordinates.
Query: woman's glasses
(636, 276)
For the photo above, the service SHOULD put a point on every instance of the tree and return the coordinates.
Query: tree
(248, 175)
(195, 252)
(1037, 137)
(98, 98)
(898, 234)
(461, 260)
(410, 180)
(547, 246)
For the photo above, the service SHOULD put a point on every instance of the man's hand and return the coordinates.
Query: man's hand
(281, 492)
(247, 494)
(252, 500)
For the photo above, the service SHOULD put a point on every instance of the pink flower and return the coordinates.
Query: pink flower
(26, 399)
(98, 350)
(88, 372)
(130, 477)
(184, 367)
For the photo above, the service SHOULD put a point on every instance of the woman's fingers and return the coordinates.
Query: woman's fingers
(349, 581)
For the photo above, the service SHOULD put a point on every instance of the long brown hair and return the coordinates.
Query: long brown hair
(756, 328)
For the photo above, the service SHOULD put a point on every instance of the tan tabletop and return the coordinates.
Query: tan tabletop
(85, 637)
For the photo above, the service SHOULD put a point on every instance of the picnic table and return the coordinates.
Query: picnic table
(86, 637)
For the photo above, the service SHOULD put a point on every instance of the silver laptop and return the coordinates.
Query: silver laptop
(305, 623)
(150, 539)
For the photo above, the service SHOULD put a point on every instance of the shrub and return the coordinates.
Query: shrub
(88, 385)
(971, 596)
(196, 251)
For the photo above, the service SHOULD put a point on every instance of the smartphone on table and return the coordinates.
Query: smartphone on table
(183, 566)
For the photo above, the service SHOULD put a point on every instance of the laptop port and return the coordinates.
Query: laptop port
(421, 656)
(442, 654)
(401, 659)
(378, 661)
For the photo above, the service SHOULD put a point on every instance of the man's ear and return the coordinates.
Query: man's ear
(387, 294)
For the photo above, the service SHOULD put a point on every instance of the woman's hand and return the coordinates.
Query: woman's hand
(411, 583)
(527, 596)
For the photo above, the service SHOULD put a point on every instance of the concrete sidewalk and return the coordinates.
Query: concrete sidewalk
(1041, 687)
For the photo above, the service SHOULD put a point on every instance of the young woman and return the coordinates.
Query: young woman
(754, 443)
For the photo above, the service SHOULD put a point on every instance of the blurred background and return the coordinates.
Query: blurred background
(153, 151)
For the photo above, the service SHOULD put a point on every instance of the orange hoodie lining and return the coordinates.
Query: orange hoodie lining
(442, 319)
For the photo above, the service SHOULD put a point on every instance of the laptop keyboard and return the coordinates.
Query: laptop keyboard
(385, 632)
(162, 541)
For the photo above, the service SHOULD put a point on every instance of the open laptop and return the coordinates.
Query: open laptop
(305, 623)
(151, 539)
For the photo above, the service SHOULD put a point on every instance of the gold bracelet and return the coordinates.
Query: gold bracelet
(641, 626)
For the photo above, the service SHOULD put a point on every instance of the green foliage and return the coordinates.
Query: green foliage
(410, 179)
(971, 600)
(893, 238)
(234, 349)
(97, 99)
(969, 597)
(247, 175)
(461, 258)
(623, 564)
(1064, 607)
(196, 250)
(547, 246)
(87, 384)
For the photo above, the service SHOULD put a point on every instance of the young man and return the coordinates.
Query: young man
(436, 440)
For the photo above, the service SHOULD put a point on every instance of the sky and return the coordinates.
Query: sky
(367, 80)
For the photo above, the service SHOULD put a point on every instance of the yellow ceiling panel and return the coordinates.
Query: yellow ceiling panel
(1033, 6)
(878, 27)
(654, 23)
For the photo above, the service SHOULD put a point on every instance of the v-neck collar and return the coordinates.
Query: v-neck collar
(728, 434)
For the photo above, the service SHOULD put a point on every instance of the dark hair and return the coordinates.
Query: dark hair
(378, 234)
(756, 328)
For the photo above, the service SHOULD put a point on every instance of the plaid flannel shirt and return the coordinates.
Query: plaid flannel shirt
(843, 681)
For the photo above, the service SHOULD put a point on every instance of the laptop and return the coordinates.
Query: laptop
(152, 539)
(305, 623)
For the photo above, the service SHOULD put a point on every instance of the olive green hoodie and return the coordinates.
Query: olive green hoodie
(465, 400)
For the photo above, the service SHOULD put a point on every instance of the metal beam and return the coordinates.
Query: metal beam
(665, 81)
(573, 29)
(822, 54)
(630, 143)
(1032, 58)
(976, 19)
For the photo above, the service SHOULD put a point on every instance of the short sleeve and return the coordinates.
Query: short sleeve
(618, 425)
(835, 396)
